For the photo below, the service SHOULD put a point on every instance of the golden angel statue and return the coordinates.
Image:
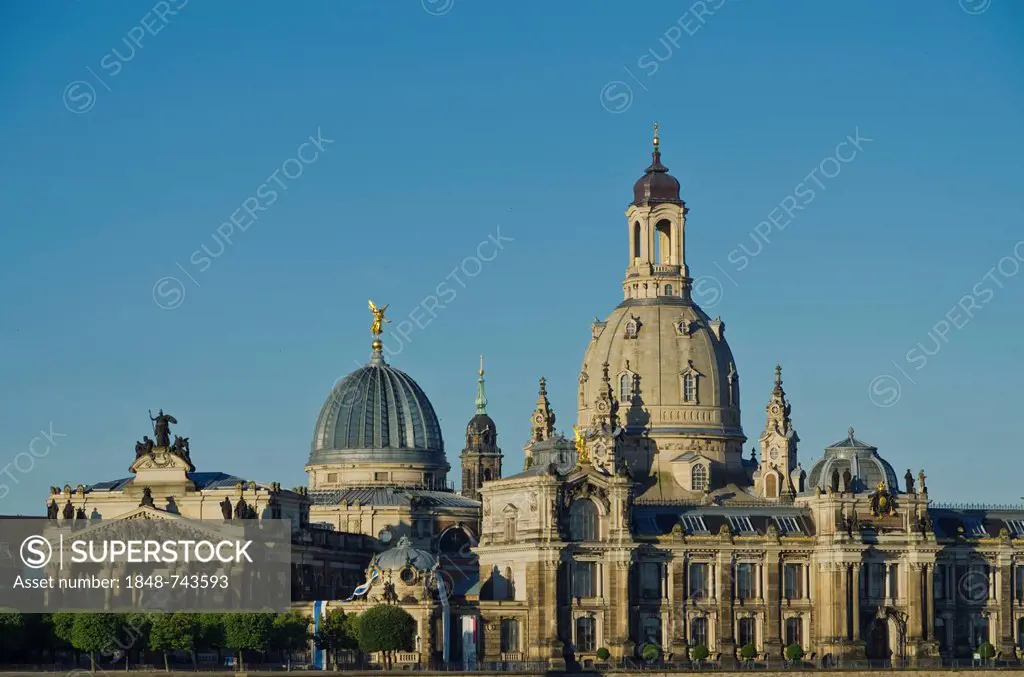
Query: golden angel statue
(582, 455)
(378, 319)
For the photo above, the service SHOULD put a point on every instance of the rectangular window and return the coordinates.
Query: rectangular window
(939, 586)
(793, 581)
(651, 629)
(584, 583)
(509, 635)
(586, 635)
(380, 476)
(746, 635)
(1016, 528)
(973, 528)
(793, 634)
(788, 525)
(700, 581)
(1019, 590)
(332, 477)
(650, 580)
(876, 580)
(699, 631)
(894, 582)
(741, 524)
(745, 588)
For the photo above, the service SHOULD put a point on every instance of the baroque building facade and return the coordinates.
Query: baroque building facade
(652, 528)
(646, 527)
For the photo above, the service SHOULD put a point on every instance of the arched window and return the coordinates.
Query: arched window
(771, 486)
(584, 522)
(487, 474)
(626, 387)
(699, 477)
(510, 585)
(663, 242)
(668, 290)
(636, 240)
(689, 387)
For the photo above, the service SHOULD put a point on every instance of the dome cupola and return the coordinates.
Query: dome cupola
(656, 186)
(377, 427)
(853, 459)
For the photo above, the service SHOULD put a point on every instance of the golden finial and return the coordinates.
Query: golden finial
(656, 140)
(481, 365)
(378, 323)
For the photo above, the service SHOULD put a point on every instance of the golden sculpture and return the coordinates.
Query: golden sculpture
(378, 319)
(582, 454)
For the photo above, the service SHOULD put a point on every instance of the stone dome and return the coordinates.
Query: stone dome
(377, 414)
(404, 555)
(867, 468)
(684, 371)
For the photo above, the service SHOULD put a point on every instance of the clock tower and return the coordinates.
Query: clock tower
(779, 475)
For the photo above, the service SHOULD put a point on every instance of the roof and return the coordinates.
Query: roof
(384, 496)
(377, 413)
(708, 520)
(203, 480)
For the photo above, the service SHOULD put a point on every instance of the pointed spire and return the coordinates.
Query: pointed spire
(656, 166)
(481, 398)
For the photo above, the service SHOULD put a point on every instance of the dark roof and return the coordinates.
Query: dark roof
(661, 521)
(656, 186)
(976, 522)
(202, 480)
(391, 496)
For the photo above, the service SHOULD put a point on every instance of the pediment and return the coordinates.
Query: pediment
(159, 459)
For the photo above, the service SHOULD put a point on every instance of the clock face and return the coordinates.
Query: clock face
(775, 409)
(385, 535)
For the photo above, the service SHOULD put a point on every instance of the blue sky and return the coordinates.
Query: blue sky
(128, 139)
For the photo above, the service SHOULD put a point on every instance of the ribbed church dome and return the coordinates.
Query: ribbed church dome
(377, 413)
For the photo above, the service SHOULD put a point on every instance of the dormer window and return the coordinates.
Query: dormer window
(699, 477)
(668, 290)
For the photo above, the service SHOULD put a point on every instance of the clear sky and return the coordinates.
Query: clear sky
(131, 131)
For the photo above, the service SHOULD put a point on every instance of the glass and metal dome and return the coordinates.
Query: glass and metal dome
(404, 555)
(867, 468)
(377, 413)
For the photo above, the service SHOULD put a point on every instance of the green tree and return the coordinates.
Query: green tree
(603, 654)
(336, 634)
(650, 652)
(699, 653)
(93, 633)
(748, 652)
(175, 631)
(132, 635)
(290, 633)
(986, 651)
(247, 632)
(387, 629)
(12, 634)
(794, 652)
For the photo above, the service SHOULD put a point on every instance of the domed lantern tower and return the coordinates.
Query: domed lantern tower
(670, 368)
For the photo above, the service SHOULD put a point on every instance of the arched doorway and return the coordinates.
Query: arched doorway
(878, 640)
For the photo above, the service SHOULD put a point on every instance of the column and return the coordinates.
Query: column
(807, 580)
(929, 600)
(914, 611)
(1006, 631)
(855, 584)
(847, 596)
(772, 642)
(726, 630)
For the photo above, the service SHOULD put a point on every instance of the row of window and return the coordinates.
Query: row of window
(627, 383)
(694, 524)
(585, 639)
(700, 583)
